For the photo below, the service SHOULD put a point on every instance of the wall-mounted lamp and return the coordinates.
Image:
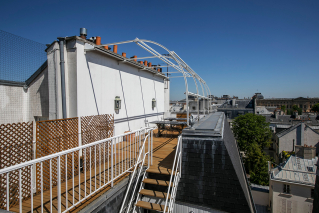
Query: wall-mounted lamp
(153, 103)
(117, 103)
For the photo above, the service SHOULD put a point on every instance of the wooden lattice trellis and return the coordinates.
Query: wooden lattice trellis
(55, 136)
(94, 128)
(15, 148)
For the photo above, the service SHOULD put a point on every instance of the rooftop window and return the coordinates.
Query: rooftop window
(310, 168)
(286, 189)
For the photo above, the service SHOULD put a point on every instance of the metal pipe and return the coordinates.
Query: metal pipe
(62, 66)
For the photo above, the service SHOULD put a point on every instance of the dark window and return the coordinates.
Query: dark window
(312, 193)
(310, 168)
(286, 189)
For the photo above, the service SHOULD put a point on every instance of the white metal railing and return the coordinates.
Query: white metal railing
(111, 158)
(140, 162)
(176, 175)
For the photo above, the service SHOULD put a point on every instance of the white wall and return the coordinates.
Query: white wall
(100, 78)
(19, 105)
(298, 201)
(260, 198)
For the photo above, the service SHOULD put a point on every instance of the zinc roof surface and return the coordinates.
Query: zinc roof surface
(298, 170)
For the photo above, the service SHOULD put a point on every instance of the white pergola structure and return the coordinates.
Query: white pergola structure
(178, 64)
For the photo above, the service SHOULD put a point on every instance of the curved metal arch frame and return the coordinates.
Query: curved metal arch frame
(181, 67)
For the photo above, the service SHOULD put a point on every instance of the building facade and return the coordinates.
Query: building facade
(304, 103)
(94, 77)
(291, 186)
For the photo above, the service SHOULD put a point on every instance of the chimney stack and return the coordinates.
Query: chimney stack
(83, 33)
(98, 40)
(115, 48)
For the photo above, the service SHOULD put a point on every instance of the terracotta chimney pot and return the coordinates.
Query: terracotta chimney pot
(149, 64)
(115, 48)
(135, 57)
(106, 47)
(141, 62)
(145, 63)
(124, 55)
(98, 40)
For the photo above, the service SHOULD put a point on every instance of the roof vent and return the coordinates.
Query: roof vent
(83, 33)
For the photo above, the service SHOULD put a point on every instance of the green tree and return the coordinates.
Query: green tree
(295, 107)
(253, 134)
(256, 164)
(283, 108)
(315, 107)
(288, 112)
(249, 129)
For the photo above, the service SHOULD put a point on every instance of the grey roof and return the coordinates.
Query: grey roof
(213, 174)
(297, 170)
(282, 133)
(259, 188)
(240, 103)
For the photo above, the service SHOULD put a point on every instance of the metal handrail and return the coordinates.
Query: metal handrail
(177, 174)
(133, 174)
(118, 163)
(48, 157)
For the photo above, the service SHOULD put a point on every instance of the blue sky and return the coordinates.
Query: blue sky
(237, 47)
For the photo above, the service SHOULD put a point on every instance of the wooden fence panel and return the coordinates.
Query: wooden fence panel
(15, 148)
(55, 136)
(94, 128)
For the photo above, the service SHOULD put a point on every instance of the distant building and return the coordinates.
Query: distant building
(291, 185)
(232, 108)
(298, 135)
(304, 103)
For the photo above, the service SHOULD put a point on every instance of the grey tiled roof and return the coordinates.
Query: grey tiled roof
(296, 170)
(282, 133)
(212, 171)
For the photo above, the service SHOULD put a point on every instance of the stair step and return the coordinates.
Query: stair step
(151, 206)
(159, 171)
(154, 193)
(157, 182)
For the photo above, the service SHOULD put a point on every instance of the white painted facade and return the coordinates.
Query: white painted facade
(94, 79)
(291, 185)
(299, 200)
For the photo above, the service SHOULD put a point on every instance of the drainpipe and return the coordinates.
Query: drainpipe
(62, 66)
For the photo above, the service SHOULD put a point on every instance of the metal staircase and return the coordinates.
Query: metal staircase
(157, 189)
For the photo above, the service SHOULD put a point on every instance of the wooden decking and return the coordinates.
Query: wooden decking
(163, 157)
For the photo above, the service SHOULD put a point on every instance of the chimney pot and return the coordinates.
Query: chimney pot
(98, 40)
(106, 47)
(149, 64)
(124, 55)
(145, 63)
(83, 33)
(115, 48)
(135, 57)
(141, 62)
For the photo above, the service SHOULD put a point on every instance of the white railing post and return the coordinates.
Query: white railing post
(59, 183)
(112, 163)
(8, 195)
(149, 149)
(152, 147)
